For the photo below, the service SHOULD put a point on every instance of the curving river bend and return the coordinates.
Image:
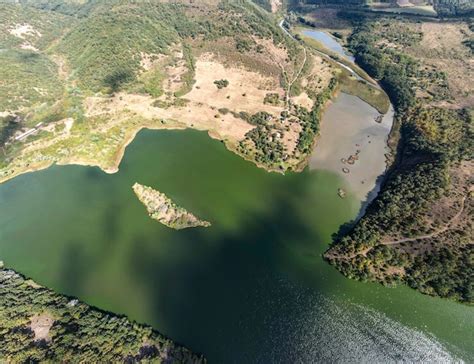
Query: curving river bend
(252, 288)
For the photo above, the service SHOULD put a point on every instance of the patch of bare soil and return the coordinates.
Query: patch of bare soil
(442, 48)
(267, 61)
(195, 115)
(245, 92)
(150, 60)
(63, 68)
(209, 108)
(319, 75)
(275, 5)
(40, 325)
(206, 107)
(24, 30)
(174, 81)
(290, 137)
(303, 100)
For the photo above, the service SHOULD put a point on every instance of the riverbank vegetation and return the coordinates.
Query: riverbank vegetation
(419, 229)
(39, 325)
(368, 93)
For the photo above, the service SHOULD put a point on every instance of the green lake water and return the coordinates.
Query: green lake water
(252, 288)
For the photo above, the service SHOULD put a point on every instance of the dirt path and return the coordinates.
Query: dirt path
(349, 257)
(433, 234)
(327, 56)
(288, 90)
(439, 231)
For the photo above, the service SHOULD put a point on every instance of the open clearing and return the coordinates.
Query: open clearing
(40, 325)
(442, 48)
(246, 89)
(24, 30)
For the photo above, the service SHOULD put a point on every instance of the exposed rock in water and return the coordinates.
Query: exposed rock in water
(341, 192)
(164, 210)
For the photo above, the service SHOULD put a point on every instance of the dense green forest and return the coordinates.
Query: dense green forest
(264, 4)
(77, 8)
(454, 7)
(434, 143)
(38, 325)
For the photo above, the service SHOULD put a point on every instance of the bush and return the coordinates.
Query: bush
(221, 83)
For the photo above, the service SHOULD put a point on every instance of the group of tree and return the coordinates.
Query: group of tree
(79, 333)
(433, 141)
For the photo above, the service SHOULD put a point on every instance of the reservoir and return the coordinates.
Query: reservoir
(252, 288)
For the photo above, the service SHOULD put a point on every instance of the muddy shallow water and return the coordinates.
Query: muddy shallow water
(353, 144)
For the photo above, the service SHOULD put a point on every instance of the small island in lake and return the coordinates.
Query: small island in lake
(162, 209)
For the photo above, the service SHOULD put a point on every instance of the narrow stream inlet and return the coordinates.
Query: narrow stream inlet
(353, 140)
(329, 42)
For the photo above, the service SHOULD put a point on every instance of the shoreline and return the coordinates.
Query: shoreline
(351, 120)
(112, 167)
(65, 300)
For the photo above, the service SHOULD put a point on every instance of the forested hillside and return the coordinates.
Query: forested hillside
(38, 325)
(76, 8)
(419, 229)
(454, 7)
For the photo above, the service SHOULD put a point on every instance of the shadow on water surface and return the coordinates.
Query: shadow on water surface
(111, 224)
(251, 288)
(72, 272)
(214, 294)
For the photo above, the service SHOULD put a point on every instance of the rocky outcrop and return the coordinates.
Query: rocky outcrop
(164, 210)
